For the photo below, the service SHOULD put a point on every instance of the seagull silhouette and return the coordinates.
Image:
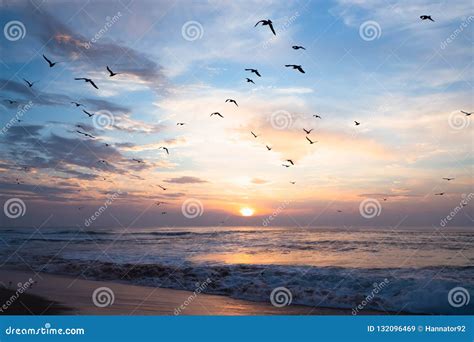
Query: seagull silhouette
(87, 80)
(10, 101)
(233, 101)
(265, 23)
(166, 149)
(292, 182)
(138, 161)
(85, 134)
(180, 124)
(290, 161)
(285, 165)
(297, 47)
(88, 114)
(30, 84)
(308, 131)
(466, 113)
(250, 81)
(268, 147)
(296, 67)
(51, 64)
(162, 187)
(216, 113)
(317, 116)
(448, 179)
(254, 135)
(310, 141)
(111, 73)
(439, 194)
(357, 123)
(77, 104)
(255, 71)
(426, 17)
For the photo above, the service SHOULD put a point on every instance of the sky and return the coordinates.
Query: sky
(375, 62)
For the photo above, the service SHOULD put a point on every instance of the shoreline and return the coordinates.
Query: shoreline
(68, 295)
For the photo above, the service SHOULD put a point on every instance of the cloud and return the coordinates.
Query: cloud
(185, 180)
(63, 42)
(259, 181)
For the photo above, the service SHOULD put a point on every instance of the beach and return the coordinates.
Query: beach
(54, 294)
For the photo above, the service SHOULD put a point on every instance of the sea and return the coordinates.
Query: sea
(396, 270)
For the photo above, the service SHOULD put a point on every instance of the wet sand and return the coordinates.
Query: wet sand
(73, 296)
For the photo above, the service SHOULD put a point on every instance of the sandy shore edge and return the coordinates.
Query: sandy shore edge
(58, 294)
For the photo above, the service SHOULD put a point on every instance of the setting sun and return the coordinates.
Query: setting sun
(247, 211)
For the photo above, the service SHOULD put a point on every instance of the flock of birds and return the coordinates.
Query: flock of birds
(287, 163)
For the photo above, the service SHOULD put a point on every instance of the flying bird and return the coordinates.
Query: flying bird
(250, 81)
(10, 101)
(51, 64)
(295, 67)
(268, 23)
(439, 194)
(297, 47)
(285, 165)
(111, 73)
(77, 104)
(30, 84)
(426, 17)
(292, 182)
(138, 161)
(88, 114)
(268, 147)
(166, 149)
(466, 113)
(290, 161)
(162, 187)
(216, 113)
(308, 131)
(317, 116)
(254, 135)
(310, 141)
(233, 101)
(357, 123)
(255, 71)
(180, 124)
(448, 179)
(87, 80)
(85, 134)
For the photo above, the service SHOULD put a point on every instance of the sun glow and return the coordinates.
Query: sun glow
(247, 211)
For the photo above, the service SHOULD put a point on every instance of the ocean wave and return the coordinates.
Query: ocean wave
(413, 290)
